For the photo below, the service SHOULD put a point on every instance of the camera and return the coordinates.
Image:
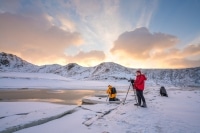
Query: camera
(131, 80)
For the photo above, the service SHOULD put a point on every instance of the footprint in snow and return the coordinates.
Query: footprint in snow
(122, 113)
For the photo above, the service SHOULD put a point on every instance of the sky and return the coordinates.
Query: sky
(133, 33)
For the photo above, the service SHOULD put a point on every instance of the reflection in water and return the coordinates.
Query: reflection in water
(58, 101)
(69, 97)
(56, 91)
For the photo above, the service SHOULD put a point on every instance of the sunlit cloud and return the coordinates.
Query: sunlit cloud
(183, 62)
(100, 23)
(35, 39)
(87, 58)
(67, 25)
(140, 48)
(195, 40)
(146, 13)
(180, 58)
(140, 43)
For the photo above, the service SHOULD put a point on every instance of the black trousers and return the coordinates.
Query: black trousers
(140, 96)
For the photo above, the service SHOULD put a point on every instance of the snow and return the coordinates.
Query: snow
(51, 81)
(177, 113)
(32, 76)
(22, 114)
(174, 114)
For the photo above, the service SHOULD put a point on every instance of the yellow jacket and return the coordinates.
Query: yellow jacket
(109, 92)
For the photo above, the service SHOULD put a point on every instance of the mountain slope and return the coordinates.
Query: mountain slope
(10, 62)
(177, 77)
(104, 71)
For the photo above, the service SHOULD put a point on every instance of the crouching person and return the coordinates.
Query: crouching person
(111, 91)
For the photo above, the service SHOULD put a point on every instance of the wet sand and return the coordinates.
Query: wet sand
(69, 97)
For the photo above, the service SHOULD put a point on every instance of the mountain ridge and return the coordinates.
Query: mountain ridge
(103, 71)
(12, 55)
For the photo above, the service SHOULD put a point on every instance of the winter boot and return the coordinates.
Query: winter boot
(144, 105)
(137, 104)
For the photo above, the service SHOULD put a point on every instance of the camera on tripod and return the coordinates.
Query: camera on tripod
(131, 80)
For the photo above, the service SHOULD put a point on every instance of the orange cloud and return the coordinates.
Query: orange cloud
(191, 50)
(87, 58)
(139, 44)
(140, 48)
(34, 38)
(180, 58)
(183, 62)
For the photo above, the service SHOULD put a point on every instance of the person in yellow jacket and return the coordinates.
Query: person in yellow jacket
(111, 91)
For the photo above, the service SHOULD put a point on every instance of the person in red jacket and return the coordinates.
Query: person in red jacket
(139, 83)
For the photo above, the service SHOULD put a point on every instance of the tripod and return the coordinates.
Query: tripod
(128, 92)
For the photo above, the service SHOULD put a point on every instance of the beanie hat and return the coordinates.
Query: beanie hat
(138, 71)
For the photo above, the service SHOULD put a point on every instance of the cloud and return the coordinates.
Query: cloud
(140, 48)
(146, 13)
(49, 29)
(183, 62)
(179, 58)
(140, 43)
(90, 58)
(98, 21)
(67, 24)
(191, 50)
(87, 8)
(34, 38)
(186, 52)
(64, 31)
(6, 5)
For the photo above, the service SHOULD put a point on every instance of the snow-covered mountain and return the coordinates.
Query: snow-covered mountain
(177, 77)
(103, 71)
(10, 62)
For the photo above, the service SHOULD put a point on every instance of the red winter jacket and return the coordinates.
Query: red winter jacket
(139, 82)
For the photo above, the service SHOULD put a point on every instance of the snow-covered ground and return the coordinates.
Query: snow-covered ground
(174, 114)
(178, 113)
(17, 115)
(17, 80)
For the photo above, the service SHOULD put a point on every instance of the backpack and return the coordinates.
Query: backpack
(113, 90)
(163, 91)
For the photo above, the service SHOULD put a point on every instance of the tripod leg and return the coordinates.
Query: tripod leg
(107, 98)
(127, 93)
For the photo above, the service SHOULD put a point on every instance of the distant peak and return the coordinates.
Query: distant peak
(109, 63)
(104, 63)
(72, 64)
